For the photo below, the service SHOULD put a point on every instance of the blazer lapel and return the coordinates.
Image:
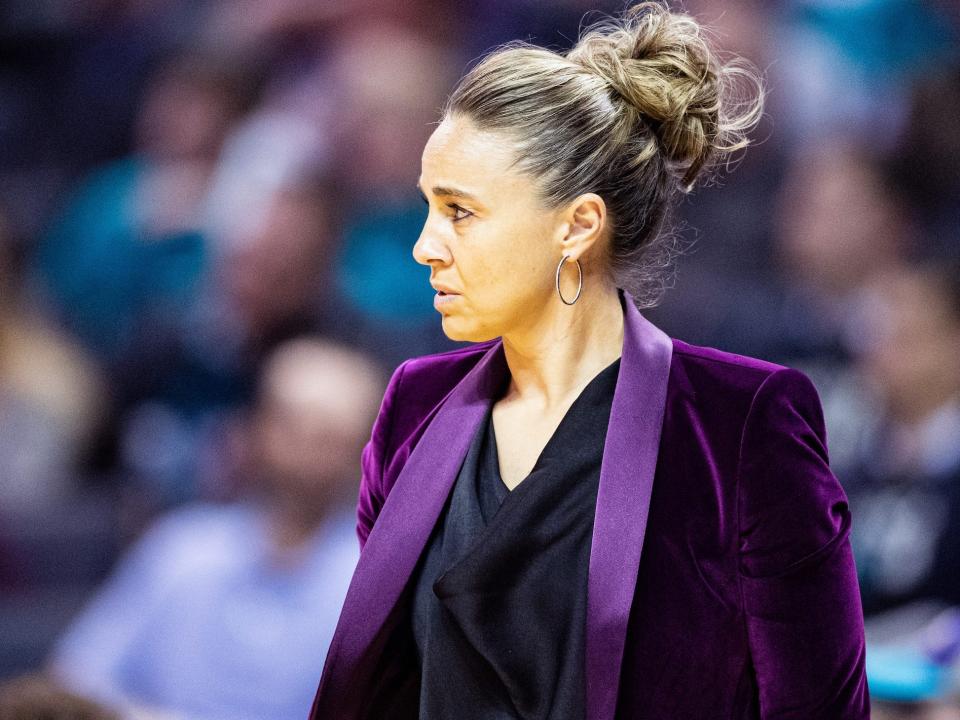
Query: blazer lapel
(407, 518)
(623, 501)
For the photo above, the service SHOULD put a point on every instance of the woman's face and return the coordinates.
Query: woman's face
(496, 247)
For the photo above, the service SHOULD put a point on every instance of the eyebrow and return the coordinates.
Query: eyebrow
(448, 192)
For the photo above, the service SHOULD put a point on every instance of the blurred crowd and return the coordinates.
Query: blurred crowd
(207, 212)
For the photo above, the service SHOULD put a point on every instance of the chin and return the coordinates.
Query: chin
(457, 332)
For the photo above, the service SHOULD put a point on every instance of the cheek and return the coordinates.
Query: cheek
(513, 255)
(481, 255)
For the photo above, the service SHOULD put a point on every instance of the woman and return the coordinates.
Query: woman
(578, 516)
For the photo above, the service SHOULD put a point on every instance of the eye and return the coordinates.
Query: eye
(457, 208)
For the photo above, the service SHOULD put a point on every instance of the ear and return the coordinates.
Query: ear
(583, 221)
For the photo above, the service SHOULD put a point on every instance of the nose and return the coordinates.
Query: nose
(430, 248)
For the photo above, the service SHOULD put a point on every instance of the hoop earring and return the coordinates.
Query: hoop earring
(579, 284)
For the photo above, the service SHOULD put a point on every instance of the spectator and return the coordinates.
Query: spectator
(851, 64)
(905, 488)
(925, 163)
(50, 401)
(127, 246)
(268, 281)
(389, 82)
(840, 222)
(226, 611)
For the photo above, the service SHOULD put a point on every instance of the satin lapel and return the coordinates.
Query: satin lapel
(408, 516)
(623, 501)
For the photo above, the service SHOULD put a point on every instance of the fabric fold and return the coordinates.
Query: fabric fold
(500, 602)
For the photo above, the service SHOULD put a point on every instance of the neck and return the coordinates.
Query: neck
(568, 345)
(292, 525)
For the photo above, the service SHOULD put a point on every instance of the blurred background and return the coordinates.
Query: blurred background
(207, 212)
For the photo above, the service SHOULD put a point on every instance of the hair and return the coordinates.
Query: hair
(637, 111)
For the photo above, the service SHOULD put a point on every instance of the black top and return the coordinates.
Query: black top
(500, 594)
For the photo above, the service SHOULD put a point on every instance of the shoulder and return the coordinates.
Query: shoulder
(420, 383)
(721, 362)
(197, 538)
(416, 388)
(455, 361)
(741, 385)
(709, 369)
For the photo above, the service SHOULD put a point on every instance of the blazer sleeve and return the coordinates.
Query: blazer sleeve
(373, 459)
(804, 618)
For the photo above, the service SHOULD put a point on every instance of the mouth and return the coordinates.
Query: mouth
(443, 299)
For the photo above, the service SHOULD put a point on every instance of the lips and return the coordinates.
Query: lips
(444, 290)
(442, 300)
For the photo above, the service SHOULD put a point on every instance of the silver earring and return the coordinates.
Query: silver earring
(579, 284)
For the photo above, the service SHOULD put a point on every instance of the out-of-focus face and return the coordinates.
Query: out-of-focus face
(182, 119)
(301, 448)
(498, 249)
(271, 275)
(310, 424)
(838, 223)
(388, 80)
(913, 343)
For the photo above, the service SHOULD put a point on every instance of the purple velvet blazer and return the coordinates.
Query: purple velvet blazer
(721, 580)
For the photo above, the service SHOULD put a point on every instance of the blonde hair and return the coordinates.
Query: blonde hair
(638, 110)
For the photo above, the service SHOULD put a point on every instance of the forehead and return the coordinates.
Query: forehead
(461, 156)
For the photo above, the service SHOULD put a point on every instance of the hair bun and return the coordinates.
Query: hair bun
(660, 63)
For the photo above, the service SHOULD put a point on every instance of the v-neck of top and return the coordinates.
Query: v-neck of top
(504, 568)
(491, 489)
